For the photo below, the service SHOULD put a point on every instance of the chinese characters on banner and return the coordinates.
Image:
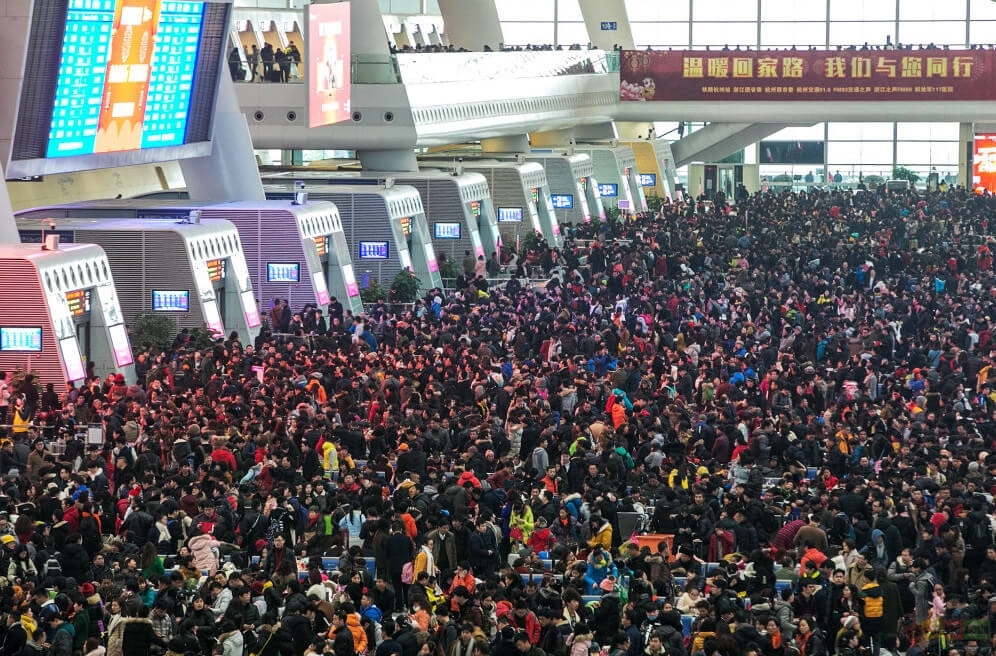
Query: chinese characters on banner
(808, 75)
(984, 163)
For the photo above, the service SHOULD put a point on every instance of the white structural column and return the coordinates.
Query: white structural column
(229, 172)
(370, 38)
(472, 24)
(14, 27)
(607, 23)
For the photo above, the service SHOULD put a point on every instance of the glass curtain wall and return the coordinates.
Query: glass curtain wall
(542, 22)
(854, 150)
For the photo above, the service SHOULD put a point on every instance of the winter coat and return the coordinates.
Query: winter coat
(61, 643)
(603, 537)
(922, 588)
(202, 548)
(232, 643)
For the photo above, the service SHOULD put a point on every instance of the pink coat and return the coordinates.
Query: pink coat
(202, 548)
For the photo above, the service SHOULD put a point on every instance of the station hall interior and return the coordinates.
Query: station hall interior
(278, 148)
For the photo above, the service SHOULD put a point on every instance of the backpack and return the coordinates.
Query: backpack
(52, 567)
(874, 601)
(981, 533)
(625, 456)
(842, 527)
(90, 532)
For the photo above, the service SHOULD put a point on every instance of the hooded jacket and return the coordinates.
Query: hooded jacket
(603, 537)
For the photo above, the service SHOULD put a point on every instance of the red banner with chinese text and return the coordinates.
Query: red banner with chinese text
(818, 75)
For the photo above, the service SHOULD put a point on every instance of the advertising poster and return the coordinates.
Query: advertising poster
(328, 67)
(818, 75)
(984, 163)
(128, 72)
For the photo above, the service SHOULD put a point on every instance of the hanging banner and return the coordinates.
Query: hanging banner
(817, 75)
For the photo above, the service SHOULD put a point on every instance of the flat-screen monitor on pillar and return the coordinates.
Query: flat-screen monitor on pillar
(118, 82)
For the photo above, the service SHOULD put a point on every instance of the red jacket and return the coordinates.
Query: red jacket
(530, 624)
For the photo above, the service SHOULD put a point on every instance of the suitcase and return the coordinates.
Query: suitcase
(273, 76)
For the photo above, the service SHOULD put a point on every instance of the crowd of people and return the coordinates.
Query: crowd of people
(797, 391)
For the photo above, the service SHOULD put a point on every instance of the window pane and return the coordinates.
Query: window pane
(521, 34)
(982, 9)
(931, 10)
(982, 31)
(652, 34)
(720, 34)
(730, 10)
(649, 34)
(860, 131)
(799, 133)
(928, 132)
(516, 10)
(571, 33)
(793, 10)
(927, 152)
(862, 10)
(570, 10)
(858, 152)
(847, 34)
(793, 34)
(641, 10)
(939, 32)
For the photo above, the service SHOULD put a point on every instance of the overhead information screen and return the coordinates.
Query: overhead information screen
(128, 77)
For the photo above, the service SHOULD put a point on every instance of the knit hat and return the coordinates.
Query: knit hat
(608, 584)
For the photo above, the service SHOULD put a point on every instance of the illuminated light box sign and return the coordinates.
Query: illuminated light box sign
(984, 163)
(327, 65)
(810, 75)
(648, 179)
(283, 272)
(608, 189)
(120, 345)
(251, 310)
(72, 359)
(170, 300)
(374, 250)
(352, 289)
(212, 317)
(20, 338)
(534, 195)
(123, 77)
(475, 208)
(321, 289)
(406, 226)
(562, 201)
(78, 302)
(446, 231)
(216, 270)
(509, 214)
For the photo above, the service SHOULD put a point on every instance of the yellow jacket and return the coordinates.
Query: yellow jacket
(603, 537)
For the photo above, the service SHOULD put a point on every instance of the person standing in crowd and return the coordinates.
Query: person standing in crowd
(719, 375)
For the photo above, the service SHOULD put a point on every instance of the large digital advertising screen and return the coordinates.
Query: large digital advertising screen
(984, 163)
(118, 76)
(328, 68)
